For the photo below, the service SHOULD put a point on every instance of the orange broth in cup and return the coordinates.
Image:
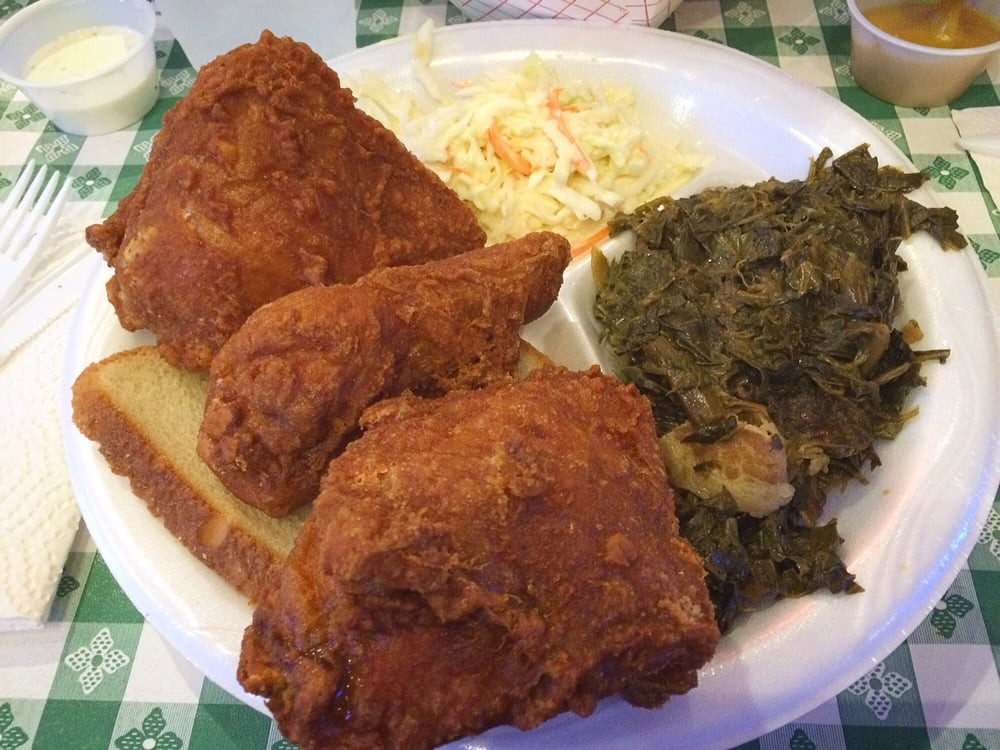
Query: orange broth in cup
(950, 24)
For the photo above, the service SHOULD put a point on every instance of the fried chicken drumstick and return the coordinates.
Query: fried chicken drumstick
(493, 556)
(286, 391)
(264, 179)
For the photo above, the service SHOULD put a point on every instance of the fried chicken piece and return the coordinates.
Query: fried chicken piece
(264, 179)
(493, 556)
(286, 391)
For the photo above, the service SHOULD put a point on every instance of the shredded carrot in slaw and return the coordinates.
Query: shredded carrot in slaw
(581, 163)
(505, 151)
(588, 244)
(529, 149)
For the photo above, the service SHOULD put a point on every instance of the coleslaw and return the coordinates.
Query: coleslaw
(529, 151)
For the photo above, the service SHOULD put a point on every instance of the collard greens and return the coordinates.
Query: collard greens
(776, 300)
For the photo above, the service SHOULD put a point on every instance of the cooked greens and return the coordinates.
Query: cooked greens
(772, 305)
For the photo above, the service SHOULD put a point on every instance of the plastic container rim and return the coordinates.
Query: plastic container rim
(27, 15)
(857, 16)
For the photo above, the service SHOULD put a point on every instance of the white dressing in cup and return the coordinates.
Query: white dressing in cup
(81, 53)
(89, 65)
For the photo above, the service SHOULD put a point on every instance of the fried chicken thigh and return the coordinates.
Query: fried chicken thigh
(286, 391)
(493, 556)
(265, 179)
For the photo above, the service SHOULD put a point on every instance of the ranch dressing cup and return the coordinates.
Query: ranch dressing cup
(89, 65)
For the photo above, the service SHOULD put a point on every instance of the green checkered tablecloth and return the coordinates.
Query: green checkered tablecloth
(98, 676)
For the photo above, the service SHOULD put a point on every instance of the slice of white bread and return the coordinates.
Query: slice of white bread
(144, 414)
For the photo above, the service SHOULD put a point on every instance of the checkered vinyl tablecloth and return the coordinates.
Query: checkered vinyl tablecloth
(97, 675)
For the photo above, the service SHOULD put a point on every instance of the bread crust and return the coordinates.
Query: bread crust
(238, 548)
(213, 525)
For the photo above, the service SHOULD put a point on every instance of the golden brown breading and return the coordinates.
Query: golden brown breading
(286, 390)
(493, 556)
(264, 179)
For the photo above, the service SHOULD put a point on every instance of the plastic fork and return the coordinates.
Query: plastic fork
(26, 221)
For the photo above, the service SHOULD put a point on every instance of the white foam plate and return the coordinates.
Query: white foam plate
(907, 531)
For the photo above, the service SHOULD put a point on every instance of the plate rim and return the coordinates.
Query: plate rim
(989, 474)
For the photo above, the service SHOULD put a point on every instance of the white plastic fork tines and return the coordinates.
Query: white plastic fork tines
(26, 220)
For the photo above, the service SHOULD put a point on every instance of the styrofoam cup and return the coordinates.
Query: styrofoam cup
(102, 101)
(913, 75)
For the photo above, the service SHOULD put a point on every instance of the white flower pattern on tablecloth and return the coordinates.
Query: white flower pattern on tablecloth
(86, 184)
(947, 612)
(892, 135)
(987, 257)
(57, 147)
(945, 173)
(878, 688)
(377, 21)
(26, 115)
(801, 741)
(837, 12)
(67, 585)
(990, 535)
(144, 148)
(177, 84)
(11, 735)
(152, 736)
(745, 14)
(95, 661)
(799, 41)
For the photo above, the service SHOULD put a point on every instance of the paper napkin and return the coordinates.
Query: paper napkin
(973, 123)
(38, 512)
(638, 12)
(983, 123)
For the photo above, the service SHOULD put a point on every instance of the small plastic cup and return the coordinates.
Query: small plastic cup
(96, 101)
(913, 75)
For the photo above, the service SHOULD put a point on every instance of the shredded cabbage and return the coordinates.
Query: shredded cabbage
(528, 151)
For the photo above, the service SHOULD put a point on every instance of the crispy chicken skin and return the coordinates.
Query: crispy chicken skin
(264, 179)
(493, 556)
(286, 391)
